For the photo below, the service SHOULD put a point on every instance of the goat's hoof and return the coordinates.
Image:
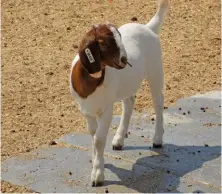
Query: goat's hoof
(97, 184)
(117, 147)
(157, 145)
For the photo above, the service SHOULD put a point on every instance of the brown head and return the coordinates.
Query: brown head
(102, 46)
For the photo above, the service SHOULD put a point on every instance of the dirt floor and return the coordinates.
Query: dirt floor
(40, 39)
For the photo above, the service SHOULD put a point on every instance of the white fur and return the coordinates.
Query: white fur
(119, 44)
(142, 46)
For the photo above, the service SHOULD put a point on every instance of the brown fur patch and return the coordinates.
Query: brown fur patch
(105, 52)
(82, 82)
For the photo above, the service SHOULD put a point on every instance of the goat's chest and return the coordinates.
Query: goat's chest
(95, 104)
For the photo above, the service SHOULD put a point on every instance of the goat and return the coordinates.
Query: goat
(101, 75)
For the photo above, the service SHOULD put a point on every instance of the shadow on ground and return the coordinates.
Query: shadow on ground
(194, 158)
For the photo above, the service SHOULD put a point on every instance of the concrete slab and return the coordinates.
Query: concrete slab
(67, 170)
(190, 160)
(186, 128)
(185, 150)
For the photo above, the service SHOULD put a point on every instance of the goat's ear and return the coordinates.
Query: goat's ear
(95, 26)
(90, 57)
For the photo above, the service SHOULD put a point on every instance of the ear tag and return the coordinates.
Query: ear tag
(89, 55)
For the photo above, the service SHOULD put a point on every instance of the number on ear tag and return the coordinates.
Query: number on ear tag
(89, 55)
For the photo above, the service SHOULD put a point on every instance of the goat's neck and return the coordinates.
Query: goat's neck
(82, 82)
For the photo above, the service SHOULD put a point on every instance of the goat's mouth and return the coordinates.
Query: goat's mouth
(118, 66)
(122, 64)
(125, 61)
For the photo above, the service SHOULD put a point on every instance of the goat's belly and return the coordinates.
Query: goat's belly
(128, 89)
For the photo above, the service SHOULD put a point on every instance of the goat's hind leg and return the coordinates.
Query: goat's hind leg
(157, 97)
(156, 86)
(121, 133)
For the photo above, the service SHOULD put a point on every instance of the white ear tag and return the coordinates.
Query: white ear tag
(89, 55)
(92, 60)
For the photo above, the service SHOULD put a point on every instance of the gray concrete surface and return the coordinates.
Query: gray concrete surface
(190, 160)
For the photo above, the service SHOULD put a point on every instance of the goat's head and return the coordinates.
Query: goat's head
(102, 46)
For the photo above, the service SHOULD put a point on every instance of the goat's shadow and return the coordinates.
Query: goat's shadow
(179, 159)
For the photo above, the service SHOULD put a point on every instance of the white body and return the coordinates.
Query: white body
(143, 50)
(144, 53)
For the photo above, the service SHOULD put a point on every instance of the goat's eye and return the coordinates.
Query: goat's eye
(102, 42)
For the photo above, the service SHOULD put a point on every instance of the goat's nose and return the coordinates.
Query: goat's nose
(124, 61)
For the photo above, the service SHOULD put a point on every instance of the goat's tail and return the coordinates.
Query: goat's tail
(156, 22)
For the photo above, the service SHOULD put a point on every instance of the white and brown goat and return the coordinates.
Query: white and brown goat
(110, 66)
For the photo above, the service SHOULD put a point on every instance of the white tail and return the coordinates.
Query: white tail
(156, 22)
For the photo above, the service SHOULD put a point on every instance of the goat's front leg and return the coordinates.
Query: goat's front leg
(121, 132)
(92, 127)
(99, 139)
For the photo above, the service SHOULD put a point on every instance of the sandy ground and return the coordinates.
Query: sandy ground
(39, 41)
